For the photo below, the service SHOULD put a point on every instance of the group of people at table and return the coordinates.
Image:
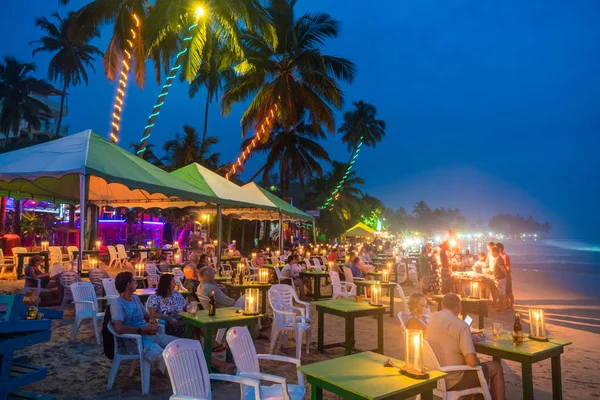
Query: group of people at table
(448, 335)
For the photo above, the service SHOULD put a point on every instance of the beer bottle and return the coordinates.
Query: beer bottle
(518, 327)
(212, 305)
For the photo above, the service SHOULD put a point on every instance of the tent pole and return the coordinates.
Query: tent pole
(280, 232)
(229, 230)
(82, 215)
(314, 232)
(219, 233)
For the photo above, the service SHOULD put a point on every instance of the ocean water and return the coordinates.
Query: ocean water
(558, 255)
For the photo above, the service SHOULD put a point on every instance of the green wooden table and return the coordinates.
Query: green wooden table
(390, 286)
(225, 318)
(349, 309)
(316, 276)
(527, 353)
(468, 304)
(363, 376)
(235, 291)
(222, 278)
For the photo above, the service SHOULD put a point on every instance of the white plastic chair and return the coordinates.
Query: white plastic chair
(56, 269)
(285, 318)
(283, 259)
(67, 278)
(307, 262)
(348, 275)
(5, 265)
(20, 250)
(246, 360)
(114, 260)
(153, 276)
(86, 307)
(143, 254)
(324, 260)
(121, 253)
(317, 263)
(430, 361)
(402, 317)
(70, 252)
(122, 356)
(402, 272)
(189, 374)
(110, 289)
(56, 256)
(36, 286)
(402, 297)
(341, 289)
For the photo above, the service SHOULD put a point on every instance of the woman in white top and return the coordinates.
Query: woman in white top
(292, 271)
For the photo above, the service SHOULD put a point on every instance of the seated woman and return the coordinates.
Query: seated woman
(357, 272)
(418, 306)
(33, 271)
(166, 304)
(259, 259)
(292, 271)
(204, 262)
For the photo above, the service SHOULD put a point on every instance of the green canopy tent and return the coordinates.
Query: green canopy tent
(360, 230)
(84, 168)
(286, 210)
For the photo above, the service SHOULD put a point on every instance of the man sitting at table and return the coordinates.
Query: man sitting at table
(451, 341)
(208, 284)
(190, 281)
(292, 271)
(129, 316)
(259, 259)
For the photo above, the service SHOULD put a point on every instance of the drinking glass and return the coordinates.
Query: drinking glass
(193, 307)
(497, 328)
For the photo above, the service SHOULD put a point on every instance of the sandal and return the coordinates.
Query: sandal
(219, 348)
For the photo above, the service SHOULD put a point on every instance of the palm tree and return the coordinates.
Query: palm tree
(293, 76)
(212, 74)
(294, 151)
(187, 149)
(72, 54)
(360, 127)
(16, 90)
(148, 154)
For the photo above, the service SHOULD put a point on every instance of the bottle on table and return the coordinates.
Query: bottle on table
(212, 305)
(517, 330)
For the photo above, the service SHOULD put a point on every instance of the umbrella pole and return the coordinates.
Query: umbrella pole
(82, 214)
(280, 232)
(314, 233)
(219, 233)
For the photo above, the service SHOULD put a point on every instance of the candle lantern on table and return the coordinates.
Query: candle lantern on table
(277, 252)
(414, 355)
(253, 255)
(176, 244)
(537, 325)
(375, 295)
(44, 246)
(330, 265)
(308, 254)
(176, 258)
(215, 242)
(263, 275)
(93, 263)
(385, 275)
(98, 244)
(268, 249)
(474, 290)
(139, 270)
(251, 304)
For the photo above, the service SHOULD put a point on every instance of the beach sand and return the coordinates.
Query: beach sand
(79, 370)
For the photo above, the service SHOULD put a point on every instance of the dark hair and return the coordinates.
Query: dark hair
(291, 258)
(122, 280)
(490, 244)
(356, 260)
(451, 302)
(34, 259)
(163, 284)
(500, 246)
(203, 258)
(495, 249)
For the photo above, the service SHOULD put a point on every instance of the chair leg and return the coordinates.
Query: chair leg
(145, 371)
(299, 336)
(113, 372)
(134, 364)
(274, 337)
(308, 339)
(96, 331)
(76, 325)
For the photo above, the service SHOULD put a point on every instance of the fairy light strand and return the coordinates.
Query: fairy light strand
(160, 101)
(125, 67)
(335, 194)
(264, 127)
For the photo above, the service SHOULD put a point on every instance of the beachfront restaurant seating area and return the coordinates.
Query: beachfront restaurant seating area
(256, 293)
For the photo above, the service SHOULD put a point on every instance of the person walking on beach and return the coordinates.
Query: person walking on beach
(510, 298)
(435, 281)
(497, 265)
(425, 269)
(446, 269)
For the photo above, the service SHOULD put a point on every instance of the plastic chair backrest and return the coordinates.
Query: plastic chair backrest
(317, 262)
(112, 251)
(335, 281)
(203, 300)
(151, 269)
(57, 269)
(325, 261)
(19, 250)
(402, 317)
(96, 276)
(348, 274)
(430, 361)
(307, 261)
(283, 259)
(401, 296)
(281, 298)
(55, 254)
(121, 251)
(109, 287)
(84, 291)
(168, 246)
(70, 250)
(178, 273)
(243, 350)
(187, 368)
(2, 257)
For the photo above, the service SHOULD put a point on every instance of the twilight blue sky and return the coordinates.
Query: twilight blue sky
(491, 106)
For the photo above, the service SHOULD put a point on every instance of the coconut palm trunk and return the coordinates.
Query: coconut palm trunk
(62, 106)
(206, 115)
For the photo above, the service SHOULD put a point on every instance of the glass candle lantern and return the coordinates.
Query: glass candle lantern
(251, 304)
(253, 255)
(263, 275)
(330, 264)
(385, 275)
(375, 295)
(268, 249)
(277, 253)
(176, 244)
(308, 254)
(347, 258)
(93, 263)
(537, 325)
(98, 244)
(44, 246)
(215, 242)
(474, 290)
(240, 268)
(176, 258)
(139, 270)
(414, 355)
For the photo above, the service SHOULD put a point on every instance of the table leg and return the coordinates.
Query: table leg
(208, 347)
(263, 304)
(527, 373)
(391, 294)
(556, 378)
(481, 315)
(47, 263)
(188, 331)
(19, 266)
(320, 331)
(316, 392)
(439, 305)
(317, 288)
(427, 395)
(349, 335)
(380, 333)
(396, 273)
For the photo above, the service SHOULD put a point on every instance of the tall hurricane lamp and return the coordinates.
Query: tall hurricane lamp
(251, 304)
(414, 355)
(376, 295)
(537, 325)
(263, 275)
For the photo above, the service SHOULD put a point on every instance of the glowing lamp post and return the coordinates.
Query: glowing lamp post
(375, 295)
(537, 325)
(414, 355)
(474, 290)
(263, 275)
(251, 304)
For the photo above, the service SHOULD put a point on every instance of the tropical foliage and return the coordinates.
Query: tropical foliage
(187, 149)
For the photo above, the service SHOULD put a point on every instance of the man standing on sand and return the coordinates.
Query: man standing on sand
(446, 268)
(425, 269)
(499, 271)
(451, 341)
(510, 298)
